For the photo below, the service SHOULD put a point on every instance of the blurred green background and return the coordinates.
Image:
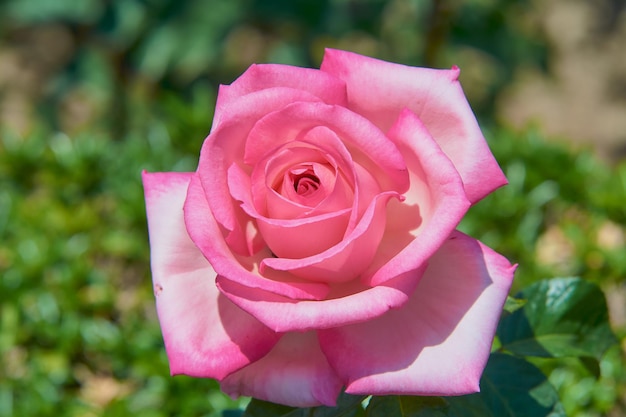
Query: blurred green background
(94, 91)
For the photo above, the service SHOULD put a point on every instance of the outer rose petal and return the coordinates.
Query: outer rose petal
(205, 334)
(439, 342)
(329, 89)
(379, 90)
(294, 373)
(282, 314)
(434, 205)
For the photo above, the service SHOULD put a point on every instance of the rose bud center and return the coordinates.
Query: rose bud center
(304, 180)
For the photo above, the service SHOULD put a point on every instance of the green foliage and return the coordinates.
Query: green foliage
(561, 317)
(512, 304)
(79, 331)
(396, 405)
(510, 387)
(179, 42)
(347, 406)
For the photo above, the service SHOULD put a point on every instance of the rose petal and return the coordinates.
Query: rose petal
(354, 186)
(340, 197)
(434, 205)
(439, 342)
(225, 145)
(349, 257)
(282, 314)
(291, 238)
(303, 238)
(379, 90)
(326, 87)
(314, 147)
(351, 189)
(205, 334)
(294, 373)
(274, 191)
(368, 146)
(207, 236)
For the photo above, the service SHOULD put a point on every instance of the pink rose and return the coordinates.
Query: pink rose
(315, 246)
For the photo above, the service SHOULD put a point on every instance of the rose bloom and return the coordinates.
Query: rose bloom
(315, 250)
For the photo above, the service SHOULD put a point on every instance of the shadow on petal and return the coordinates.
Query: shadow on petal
(439, 341)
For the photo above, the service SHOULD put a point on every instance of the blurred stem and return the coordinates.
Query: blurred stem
(119, 109)
(437, 33)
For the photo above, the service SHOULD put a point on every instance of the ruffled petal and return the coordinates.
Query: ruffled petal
(379, 90)
(205, 334)
(438, 343)
(433, 206)
(294, 373)
(207, 236)
(329, 89)
(353, 305)
(274, 192)
(291, 238)
(367, 145)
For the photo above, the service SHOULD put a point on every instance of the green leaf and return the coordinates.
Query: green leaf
(258, 408)
(562, 317)
(347, 406)
(404, 406)
(592, 365)
(513, 304)
(509, 387)
(232, 413)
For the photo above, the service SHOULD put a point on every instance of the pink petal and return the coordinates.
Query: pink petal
(439, 342)
(308, 183)
(294, 373)
(291, 238)
(276, 200)
(355, 184)
(338, 198)
(379, 90)
(367, 144)
(207, 235)
(433, 206)
(225, 145)
(345, 260)
(302, 238)
(205, 334)
(326, 87)
(329, 148)
(348, 305)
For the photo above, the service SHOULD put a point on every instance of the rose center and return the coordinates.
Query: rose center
(304, 181)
